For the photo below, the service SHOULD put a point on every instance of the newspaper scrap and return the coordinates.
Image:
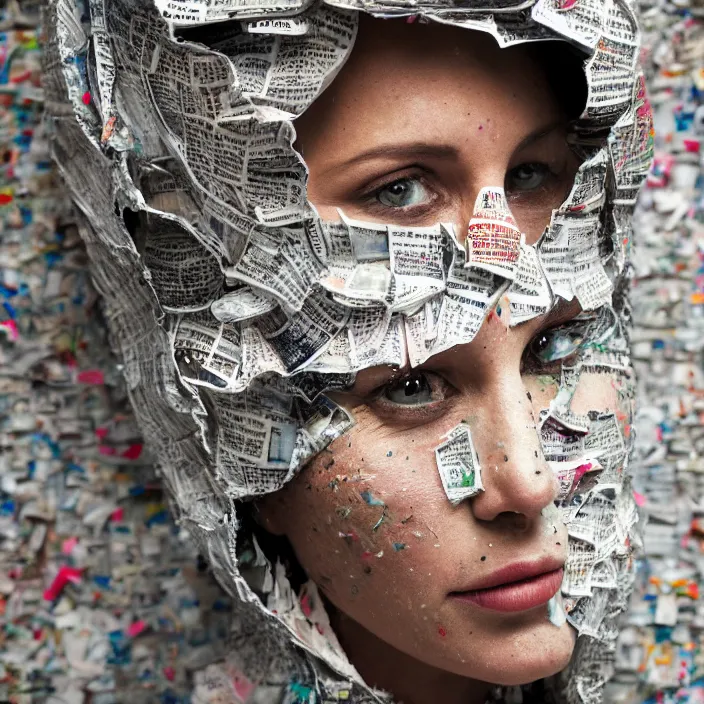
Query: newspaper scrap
(458, 465)
(493, 238)
(581, 473)
(240, 305)
(290, 26)
(529, 295)
(556, 611)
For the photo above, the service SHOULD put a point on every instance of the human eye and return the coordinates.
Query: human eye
(404, 193)
(417, 395)
(411, 390)
(551, 348)
(527, 177)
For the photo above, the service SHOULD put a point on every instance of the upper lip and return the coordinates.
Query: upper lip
(517, 572)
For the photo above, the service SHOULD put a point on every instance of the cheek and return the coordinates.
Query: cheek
(326, 212)
(605, 393)
(366, 515)
(533, 218)
(542, 390)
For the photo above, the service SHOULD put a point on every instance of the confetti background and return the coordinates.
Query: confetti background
(103, 600)
(660, 648)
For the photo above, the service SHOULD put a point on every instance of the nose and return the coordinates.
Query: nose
(515, 475)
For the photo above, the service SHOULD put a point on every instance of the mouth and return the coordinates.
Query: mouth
(518, 587)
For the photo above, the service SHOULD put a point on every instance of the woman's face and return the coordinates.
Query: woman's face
(418, 121)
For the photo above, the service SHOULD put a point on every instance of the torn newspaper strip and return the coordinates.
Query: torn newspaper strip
(459, 466)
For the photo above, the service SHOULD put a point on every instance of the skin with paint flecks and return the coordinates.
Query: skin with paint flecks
(457, 562)
(546, 384)
(375, 147)
(370, 499)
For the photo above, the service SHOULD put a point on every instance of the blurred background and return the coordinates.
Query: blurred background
(101, 597)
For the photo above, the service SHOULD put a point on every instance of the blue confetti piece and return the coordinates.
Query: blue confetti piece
(9, 310)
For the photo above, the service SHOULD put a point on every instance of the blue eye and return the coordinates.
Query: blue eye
(411, 390)
(403, 193)
(554, 345)
(526, 177)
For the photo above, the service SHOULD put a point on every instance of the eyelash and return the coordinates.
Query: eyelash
(544, 193)
(540, 166)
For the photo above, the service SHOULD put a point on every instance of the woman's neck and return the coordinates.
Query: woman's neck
(409, 680)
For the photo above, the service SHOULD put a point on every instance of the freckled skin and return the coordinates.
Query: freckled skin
(389, 604)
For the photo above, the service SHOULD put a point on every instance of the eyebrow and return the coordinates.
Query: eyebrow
(539, 133)
(437, 151)
(420, 149)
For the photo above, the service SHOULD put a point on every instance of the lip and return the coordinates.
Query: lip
(518, 587)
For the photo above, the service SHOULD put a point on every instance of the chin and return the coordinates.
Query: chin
(528, 660)
(520, 659)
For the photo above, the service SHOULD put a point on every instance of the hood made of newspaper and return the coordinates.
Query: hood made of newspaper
(234, 308)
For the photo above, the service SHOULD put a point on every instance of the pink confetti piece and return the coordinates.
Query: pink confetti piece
(63, 577)
(306, 605)
(134, 629)
(68, 545)
(133, 451)
(243, 686)
(90, 376)
(12, 330)
(692, 145)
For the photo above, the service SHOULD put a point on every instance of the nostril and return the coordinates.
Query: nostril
(514, 520)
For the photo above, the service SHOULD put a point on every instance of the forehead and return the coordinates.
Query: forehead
(395, 51)
(424, 82)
